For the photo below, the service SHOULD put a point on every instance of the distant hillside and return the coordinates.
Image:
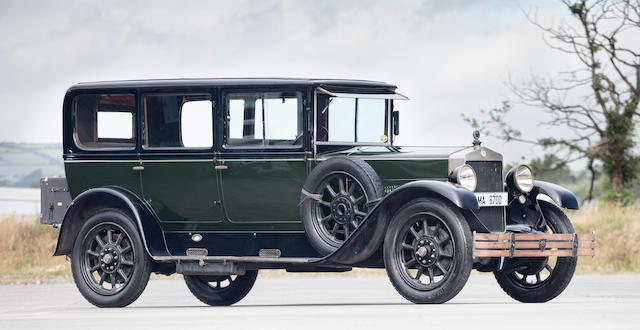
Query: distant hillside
(22, 164)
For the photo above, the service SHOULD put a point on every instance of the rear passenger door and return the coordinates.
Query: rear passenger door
(263, 158)
(177, 167)
(101, 141)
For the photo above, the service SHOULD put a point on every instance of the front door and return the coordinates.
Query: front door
(177, 167)
(263, 165)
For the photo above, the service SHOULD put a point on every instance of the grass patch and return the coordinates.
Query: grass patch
(617, 237)
(26, 246)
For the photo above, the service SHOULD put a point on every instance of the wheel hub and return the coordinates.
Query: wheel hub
(342, 209)
(109, 259)
(426, 251)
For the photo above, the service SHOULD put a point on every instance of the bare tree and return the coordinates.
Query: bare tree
(597, 102)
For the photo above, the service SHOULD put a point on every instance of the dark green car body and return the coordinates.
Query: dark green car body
(216, 179)
(258, 190)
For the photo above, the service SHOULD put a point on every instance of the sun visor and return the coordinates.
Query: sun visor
(387, 96)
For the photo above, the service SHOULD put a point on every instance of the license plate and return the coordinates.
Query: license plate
(486, 199)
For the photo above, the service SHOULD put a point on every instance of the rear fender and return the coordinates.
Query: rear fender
(90, 201)
(360, 245)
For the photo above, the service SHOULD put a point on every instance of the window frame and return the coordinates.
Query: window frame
(263, 89)
(74, 121)
(387, 124)
(143, 120)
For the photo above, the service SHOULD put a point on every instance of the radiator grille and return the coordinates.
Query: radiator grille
(489, 175)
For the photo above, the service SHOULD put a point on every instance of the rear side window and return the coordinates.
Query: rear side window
(264, 120)
(105, 121)
(178, 121)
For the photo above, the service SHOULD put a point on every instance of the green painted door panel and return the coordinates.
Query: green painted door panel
(84, 175)
(263, 191)
(182, 191)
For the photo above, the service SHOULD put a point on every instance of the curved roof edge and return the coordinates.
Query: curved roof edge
(231, 82)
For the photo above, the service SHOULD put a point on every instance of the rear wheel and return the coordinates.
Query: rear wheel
(541, 279)
(427, 251)
(109, 264)
(221, 290)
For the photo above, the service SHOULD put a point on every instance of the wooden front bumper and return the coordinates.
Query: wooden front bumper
(534, 245)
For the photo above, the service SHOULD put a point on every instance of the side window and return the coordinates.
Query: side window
(347, 120)
(178, 121)
(104, 121)
(264, 120)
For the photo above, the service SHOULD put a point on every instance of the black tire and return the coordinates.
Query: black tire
(548, 281)
(346, 186)
(446, 261)
(115, 271)
(223, 290)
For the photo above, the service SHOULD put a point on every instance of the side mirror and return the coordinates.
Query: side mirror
(395, 117)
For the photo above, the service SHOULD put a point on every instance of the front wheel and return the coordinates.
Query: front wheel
(221, 290)
(427, 251)
(109, 264)
(540, 279)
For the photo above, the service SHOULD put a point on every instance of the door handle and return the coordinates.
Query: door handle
(221, 167)
(138, 168)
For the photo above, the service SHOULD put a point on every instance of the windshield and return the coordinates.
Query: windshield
(349, 120)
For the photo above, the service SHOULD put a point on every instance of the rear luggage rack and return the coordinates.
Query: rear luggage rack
(534, 245)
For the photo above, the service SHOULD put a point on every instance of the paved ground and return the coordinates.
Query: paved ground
(591, 302)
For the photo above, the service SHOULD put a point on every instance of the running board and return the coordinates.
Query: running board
(238, 259)
(514, 245)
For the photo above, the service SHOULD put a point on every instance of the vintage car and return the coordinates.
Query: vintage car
(216, 179)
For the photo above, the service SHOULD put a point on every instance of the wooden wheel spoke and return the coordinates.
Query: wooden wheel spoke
(93, 253)
(330, 190)
(100, 242)
(446, 254)
(410, 263)
(420, 271)
(439, 265)
(430, 269)
(123, 275)
(335, 228)
(407, 246)
(119, 239)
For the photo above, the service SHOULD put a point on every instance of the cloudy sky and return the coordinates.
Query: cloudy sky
(449, 57)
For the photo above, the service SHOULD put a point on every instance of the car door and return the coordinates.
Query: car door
(179, 180)
(263, 158)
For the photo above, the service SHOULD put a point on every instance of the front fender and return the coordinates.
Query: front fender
(360, 246)
(459, 196)
(561, 196)
(75, 215)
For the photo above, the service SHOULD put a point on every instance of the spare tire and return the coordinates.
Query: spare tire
(335, 198)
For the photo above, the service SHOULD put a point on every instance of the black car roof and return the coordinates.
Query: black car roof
(347, 83)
